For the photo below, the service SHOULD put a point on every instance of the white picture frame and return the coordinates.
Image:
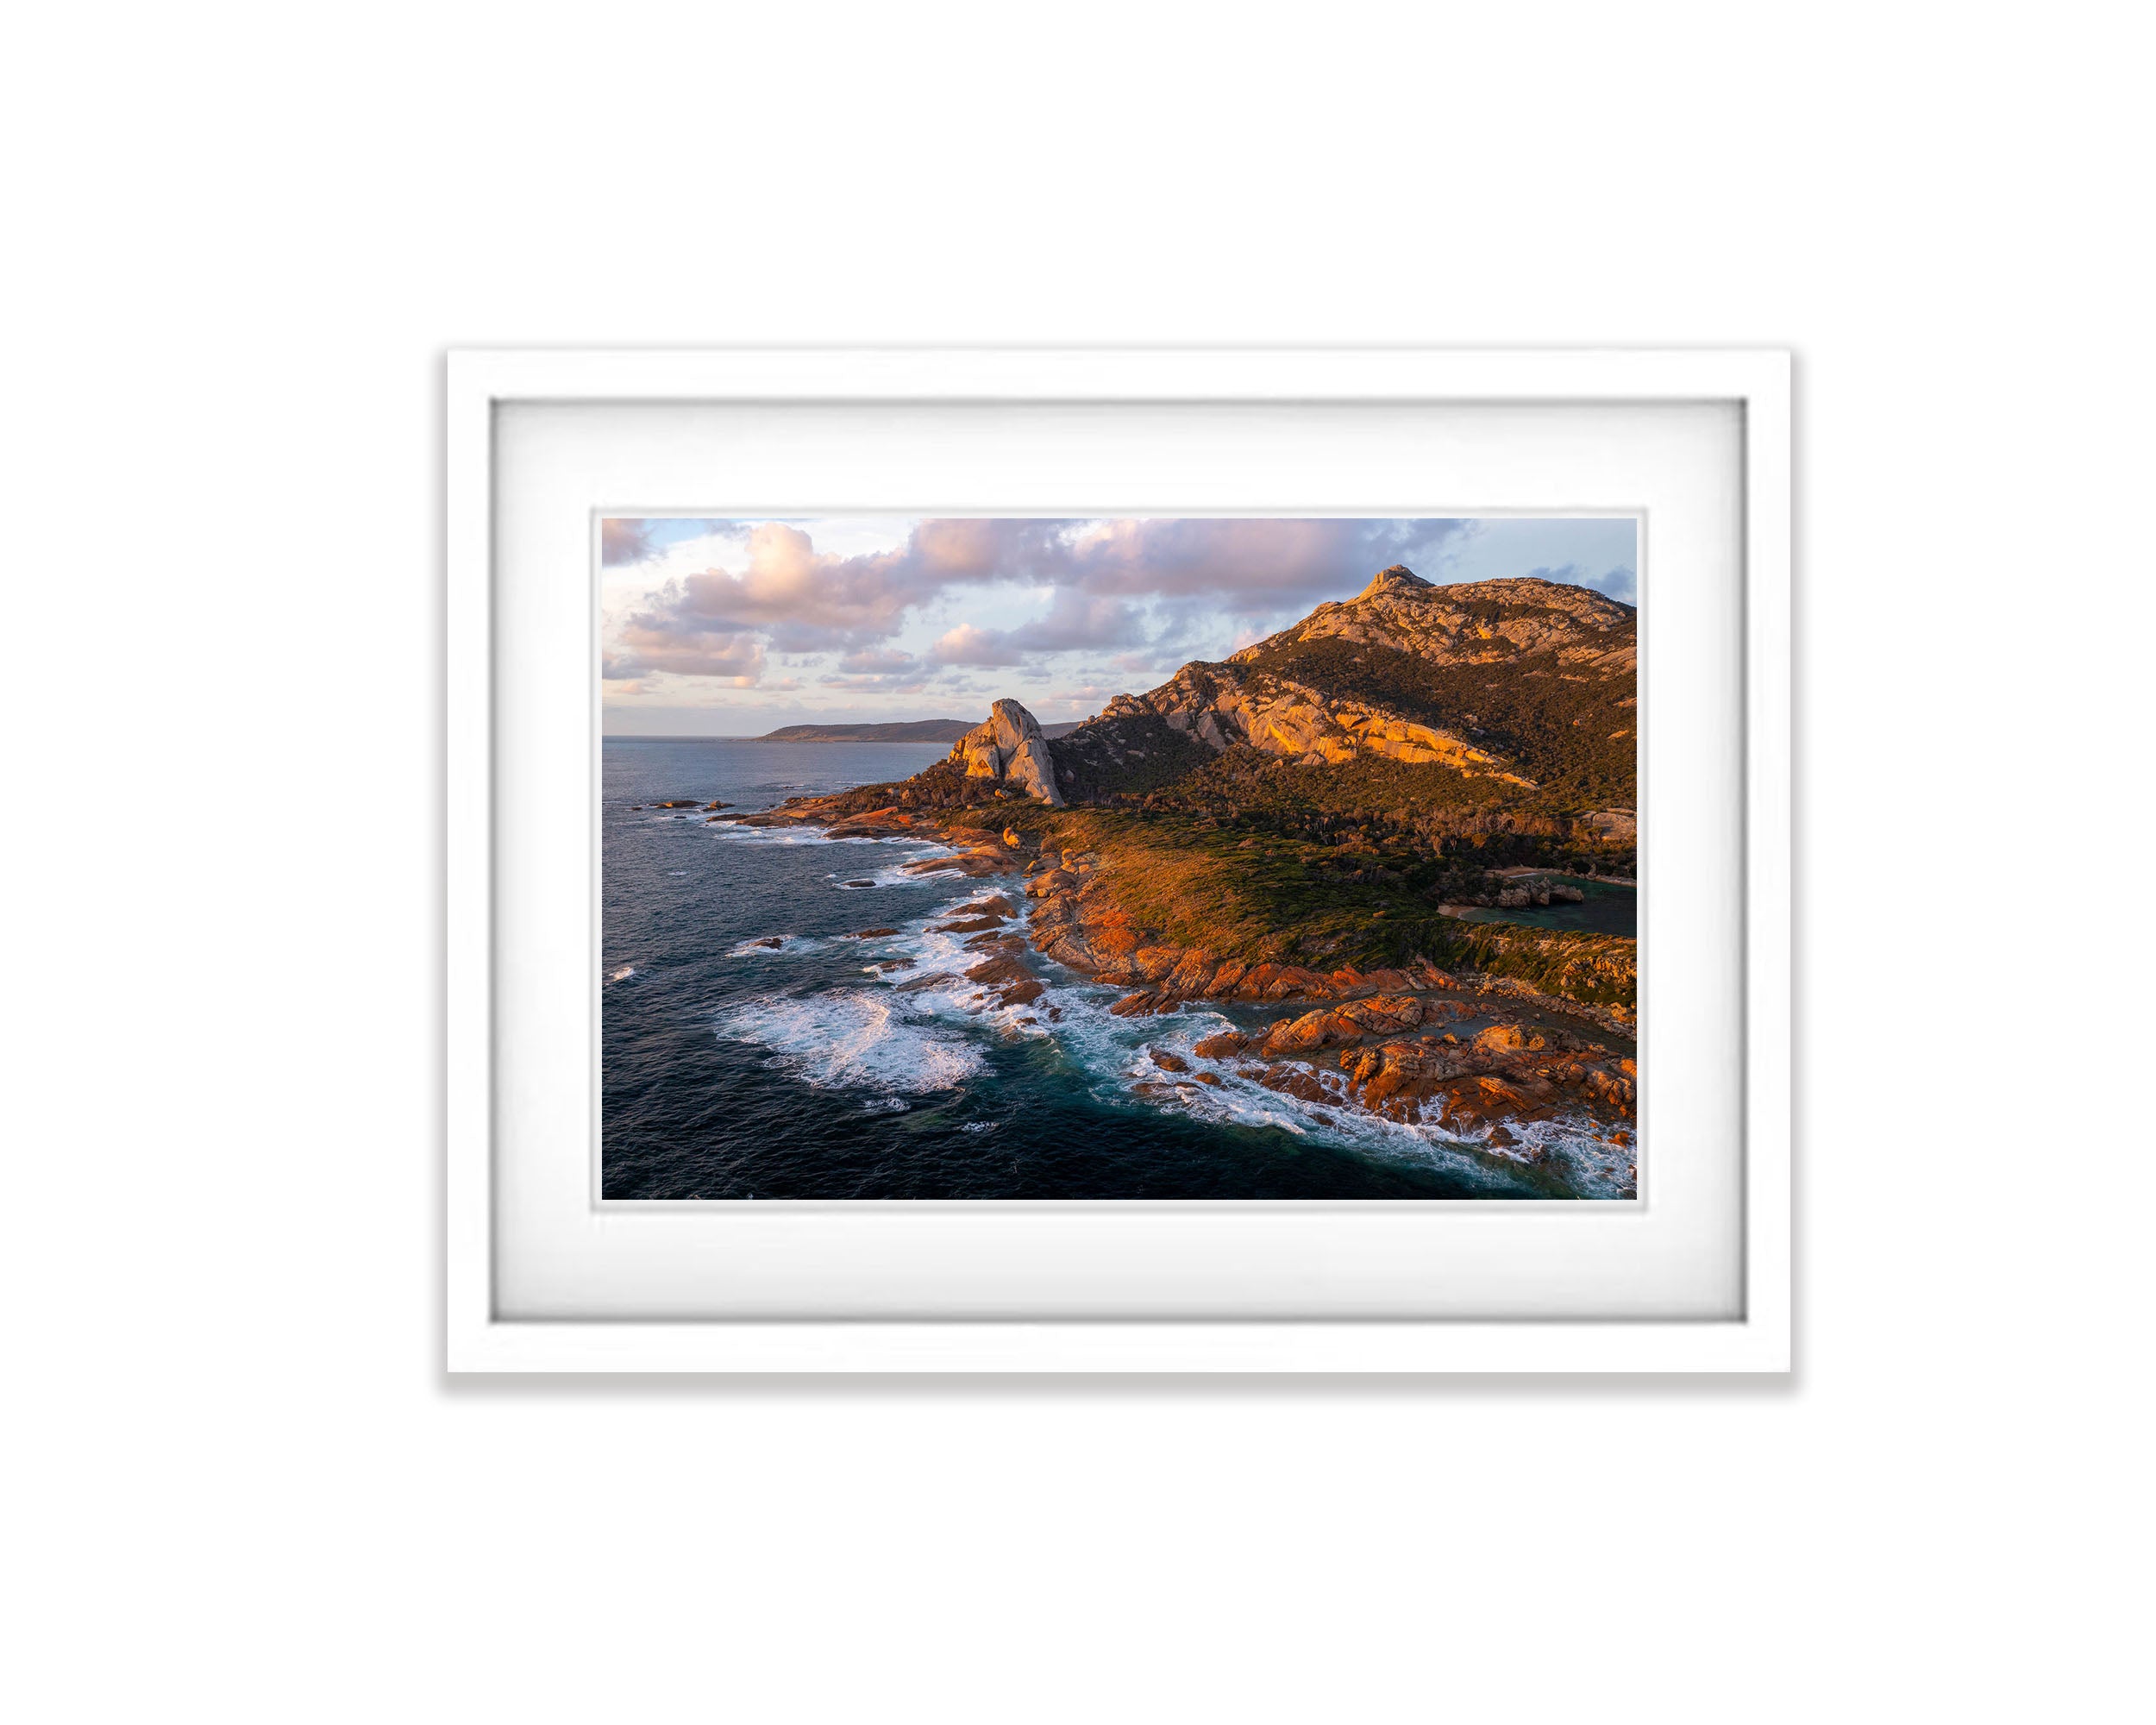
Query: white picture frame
(587, 1332)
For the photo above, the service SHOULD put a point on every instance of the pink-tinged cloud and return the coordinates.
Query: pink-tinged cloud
(1101, 576)
(878, 661)
(624, 541)
(644, 648)
(969, 645)
(1074, 619)
(808, 601)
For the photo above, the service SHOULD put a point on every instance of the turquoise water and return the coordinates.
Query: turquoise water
(1609, 909)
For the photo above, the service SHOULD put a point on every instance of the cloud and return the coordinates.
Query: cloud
(648, 642)
(898, 683)
(1621, 583)
(878, 670)
(1148, 586)
(624, 541)
(1253, 564)
(882, 661)
(1074, 619)
(810, 602)
(969, 645)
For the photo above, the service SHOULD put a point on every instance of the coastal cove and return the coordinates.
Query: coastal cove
(788, 1012)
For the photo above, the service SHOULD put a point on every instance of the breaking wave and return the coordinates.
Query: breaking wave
(896, 1034)
(852, 1039)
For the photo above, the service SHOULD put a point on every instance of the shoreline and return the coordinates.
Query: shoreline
(1459, 1050)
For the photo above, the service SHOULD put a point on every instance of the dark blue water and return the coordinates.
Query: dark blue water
(735, 1071)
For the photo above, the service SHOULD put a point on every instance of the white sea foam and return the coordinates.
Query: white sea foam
(1116, 1055)
(894, 1035)
(856, 1038)
(761, 948)
(882, 873)
(898, 874)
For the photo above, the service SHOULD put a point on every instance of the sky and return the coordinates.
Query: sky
(731, 628)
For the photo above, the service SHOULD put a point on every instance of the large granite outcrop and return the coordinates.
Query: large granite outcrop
(1477, 623)
(1010, 748)
(1265, 696)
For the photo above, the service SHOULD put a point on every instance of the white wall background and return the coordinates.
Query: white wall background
(240, 1486)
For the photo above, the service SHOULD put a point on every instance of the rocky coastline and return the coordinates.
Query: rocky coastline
(1284, 839)
(1416, 1044)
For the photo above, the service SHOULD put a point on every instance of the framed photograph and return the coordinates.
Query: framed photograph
(1118, 861)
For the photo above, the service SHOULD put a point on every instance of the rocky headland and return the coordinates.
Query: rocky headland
(1281, 838)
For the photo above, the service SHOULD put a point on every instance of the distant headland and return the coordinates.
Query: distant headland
(904, 730)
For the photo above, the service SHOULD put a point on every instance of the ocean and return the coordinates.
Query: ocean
(734, 1071)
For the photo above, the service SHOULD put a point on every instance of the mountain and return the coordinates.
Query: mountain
(903, 731)
(1522, 683)
(1339, 816)
(906, 731)
(1319, 808)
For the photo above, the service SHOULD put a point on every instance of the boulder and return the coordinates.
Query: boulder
(1299, 1082)
(1010, 749)
(1306, 1034)
(1507, 1039)
(1382, 1014)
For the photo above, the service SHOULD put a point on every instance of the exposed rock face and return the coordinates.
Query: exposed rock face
(1506, 1071)
(1010, 748)
(1077, 921)
(1475, 623)
(1258, 696)
(1224, 704)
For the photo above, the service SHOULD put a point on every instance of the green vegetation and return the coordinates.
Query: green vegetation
(904, 730)
(1436, 827)
(1257, 857)
(1237, 893)
(1130, 756)
(1552, 720)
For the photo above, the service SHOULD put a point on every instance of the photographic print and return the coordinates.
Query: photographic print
(1080, 859)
